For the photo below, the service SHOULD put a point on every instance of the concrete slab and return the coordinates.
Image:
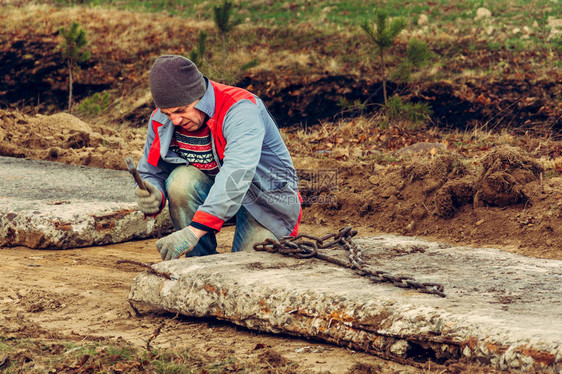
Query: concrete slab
(502, 310)
(52, 205)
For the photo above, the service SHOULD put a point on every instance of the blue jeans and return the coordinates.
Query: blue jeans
(187, 189)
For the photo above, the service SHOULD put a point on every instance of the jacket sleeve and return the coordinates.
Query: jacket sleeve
(244, 131)
(158, 174)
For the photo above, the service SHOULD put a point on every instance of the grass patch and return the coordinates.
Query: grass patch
(42, 356)
(315, 28)
(344, 13)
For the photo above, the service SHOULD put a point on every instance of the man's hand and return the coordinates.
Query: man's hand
(177, 244)
(150, 200)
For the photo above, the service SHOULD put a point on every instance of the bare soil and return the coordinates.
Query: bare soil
(500, 199)
(80, 296)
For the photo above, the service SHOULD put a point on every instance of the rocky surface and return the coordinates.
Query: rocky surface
(501, 310)
(53, 205)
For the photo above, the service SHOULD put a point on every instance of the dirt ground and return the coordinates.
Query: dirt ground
(80, 295)
(505, 202)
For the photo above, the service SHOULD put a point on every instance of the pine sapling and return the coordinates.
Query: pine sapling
(417, 55)
(383, 35)
(197, 54)
(74, 51)
(225, 23)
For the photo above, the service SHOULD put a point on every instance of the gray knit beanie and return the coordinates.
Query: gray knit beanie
(175, 81)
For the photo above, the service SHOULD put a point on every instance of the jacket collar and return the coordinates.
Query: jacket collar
(207, 103)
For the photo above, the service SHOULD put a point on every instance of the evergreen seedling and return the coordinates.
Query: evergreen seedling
(383, 35)
(223, 18)
(225, 23)
(197, 53)
(74, 51)
(94, 104)
(417, 55)
(414, 114)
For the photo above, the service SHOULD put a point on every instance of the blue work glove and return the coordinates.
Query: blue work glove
(177, 244)
(149, 200)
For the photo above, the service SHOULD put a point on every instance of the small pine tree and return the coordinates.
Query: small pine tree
(197, 53)
(74, 51)
(415, 114)
(417, 55)
(383, 35)
(225, 23)
(223, 18)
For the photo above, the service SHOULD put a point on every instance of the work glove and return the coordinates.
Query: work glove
(149, 200)
(177, 244)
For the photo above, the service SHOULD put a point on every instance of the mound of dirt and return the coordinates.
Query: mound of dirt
(500, 199)
(64, 138)
(505, 173)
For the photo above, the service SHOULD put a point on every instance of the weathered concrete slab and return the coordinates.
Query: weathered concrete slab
(52, 205)
(502, 310)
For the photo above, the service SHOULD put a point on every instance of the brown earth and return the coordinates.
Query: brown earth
(505, 202)
(79, 296)
(521, 95)
(499, 197)
(64, 138)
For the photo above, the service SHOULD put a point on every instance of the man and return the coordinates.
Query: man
(215, 153)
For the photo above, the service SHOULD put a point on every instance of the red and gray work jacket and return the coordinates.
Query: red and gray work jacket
(256, 170)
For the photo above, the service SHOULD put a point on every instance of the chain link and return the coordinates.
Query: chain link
(297, 247)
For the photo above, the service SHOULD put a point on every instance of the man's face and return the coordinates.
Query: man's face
(187, 116)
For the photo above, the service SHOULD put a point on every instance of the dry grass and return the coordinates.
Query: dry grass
(141, 33)
(363, 141)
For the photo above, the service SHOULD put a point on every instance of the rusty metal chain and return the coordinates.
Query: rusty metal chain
(296, 247)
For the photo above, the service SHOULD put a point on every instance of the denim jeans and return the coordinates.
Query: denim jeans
(187, 189)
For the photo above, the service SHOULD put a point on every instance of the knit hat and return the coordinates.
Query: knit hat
(175, 81)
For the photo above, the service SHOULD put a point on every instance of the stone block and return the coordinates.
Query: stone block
(501, 309)
(52, 205)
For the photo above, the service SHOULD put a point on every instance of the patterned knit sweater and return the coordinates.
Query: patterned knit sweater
(195, 148)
